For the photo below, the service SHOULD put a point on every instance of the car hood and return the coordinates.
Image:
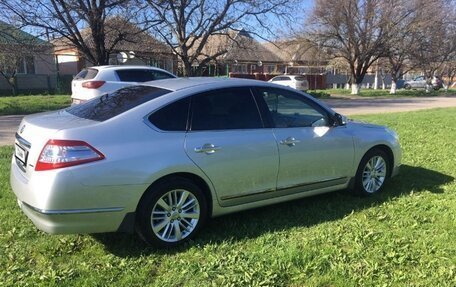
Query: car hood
(364, 124)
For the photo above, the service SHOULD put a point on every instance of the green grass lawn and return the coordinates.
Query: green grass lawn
(405, 236)
(24, 105)
(385, 93)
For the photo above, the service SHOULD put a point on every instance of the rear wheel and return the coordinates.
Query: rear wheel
(372, 172)
(171, 212)
(407, 87)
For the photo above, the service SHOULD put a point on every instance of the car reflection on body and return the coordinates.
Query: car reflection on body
(162, 157)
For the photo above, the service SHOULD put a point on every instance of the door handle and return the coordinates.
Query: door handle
(290, 141)
(207, 149)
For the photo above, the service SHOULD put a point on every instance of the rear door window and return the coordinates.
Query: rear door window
(108, 106)
(225, 109)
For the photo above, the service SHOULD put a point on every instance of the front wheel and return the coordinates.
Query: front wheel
(372, 172)
(407, 87)
(171, 212)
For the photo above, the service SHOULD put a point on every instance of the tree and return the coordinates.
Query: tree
(435, 38)
(405, 39)
(358, 31)
(186, 25)
(67, 19)
(16, 47)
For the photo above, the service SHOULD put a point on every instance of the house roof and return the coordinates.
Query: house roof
(240, 46)
(295, 50)
(133, 38)
(10, 35)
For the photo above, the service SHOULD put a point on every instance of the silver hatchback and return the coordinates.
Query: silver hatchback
(162, 157)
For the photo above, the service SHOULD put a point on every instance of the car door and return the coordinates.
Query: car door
(283, 80)
(228, 141)
(313, 153)
(419, 82)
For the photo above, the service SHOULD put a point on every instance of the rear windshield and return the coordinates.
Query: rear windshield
(86, 74)
(300, 78)
(110, 105)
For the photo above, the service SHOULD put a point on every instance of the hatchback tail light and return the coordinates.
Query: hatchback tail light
(93, 84)
(65, 153)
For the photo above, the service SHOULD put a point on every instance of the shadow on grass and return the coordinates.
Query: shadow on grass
(300, 213)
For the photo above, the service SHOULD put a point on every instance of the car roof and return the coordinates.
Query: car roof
(288, 75)
(125, 67)
(176, 84)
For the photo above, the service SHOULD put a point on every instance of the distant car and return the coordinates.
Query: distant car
(95, 81)
(162, 157)
(420, 83)
(293, 81)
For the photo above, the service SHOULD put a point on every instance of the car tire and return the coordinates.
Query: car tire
(171, 212)
(373, 172)
(407, 87)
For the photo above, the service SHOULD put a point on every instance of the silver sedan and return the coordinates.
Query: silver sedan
(162, 157)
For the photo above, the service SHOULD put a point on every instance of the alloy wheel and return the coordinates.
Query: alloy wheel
(175, 215)
(374, 174)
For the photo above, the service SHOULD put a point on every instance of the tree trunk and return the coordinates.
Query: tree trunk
(376, 80)
(393, 87)
(187, 71)
(355, 88)
(12, 82)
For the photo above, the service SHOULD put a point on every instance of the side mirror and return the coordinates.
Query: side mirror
(339, 120)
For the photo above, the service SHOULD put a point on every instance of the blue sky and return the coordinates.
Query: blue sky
(301, 11)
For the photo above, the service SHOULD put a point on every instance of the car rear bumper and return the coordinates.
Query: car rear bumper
(65, 206)
(74, 221)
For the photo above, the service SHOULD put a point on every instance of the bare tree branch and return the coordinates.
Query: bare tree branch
(186, 25)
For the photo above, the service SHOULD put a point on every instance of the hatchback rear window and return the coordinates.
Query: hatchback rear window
(300, 78)
(110, 105)
(86, 74)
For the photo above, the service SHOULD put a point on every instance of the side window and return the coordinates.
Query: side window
(225, 109)
(141, 75)
(157, 75)
(172, 117)
(131, 75)
(290, 110)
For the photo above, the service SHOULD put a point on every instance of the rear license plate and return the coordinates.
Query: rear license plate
(21, 154)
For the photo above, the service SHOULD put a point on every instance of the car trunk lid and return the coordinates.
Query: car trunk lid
(34, 132)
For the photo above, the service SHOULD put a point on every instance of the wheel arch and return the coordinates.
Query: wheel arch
(388, 151)
(200, 182)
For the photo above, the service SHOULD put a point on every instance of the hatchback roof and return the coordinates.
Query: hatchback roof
(123, 67)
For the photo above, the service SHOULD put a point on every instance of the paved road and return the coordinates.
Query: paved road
(9, 124)
(8, 127)
(360, 106)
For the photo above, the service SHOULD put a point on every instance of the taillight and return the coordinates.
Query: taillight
(65, 153)
(93, 84)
